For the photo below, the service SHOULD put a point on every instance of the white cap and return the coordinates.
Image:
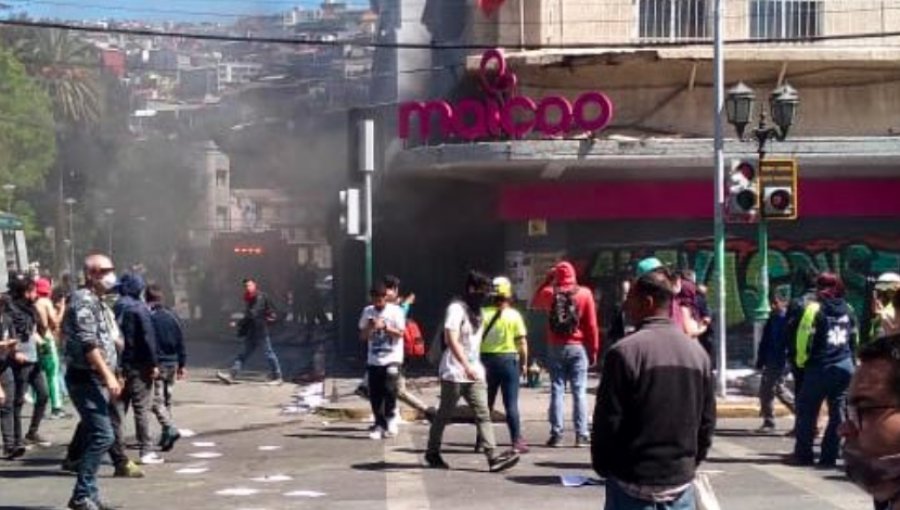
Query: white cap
(888, 280)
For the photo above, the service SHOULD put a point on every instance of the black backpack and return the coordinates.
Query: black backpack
(563, 313)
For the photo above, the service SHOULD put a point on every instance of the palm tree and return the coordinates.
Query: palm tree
(66, 68)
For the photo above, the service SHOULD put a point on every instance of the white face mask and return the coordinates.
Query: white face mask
(109, 281)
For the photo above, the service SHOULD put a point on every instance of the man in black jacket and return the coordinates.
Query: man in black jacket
(656, 409)
(254, 329)
(172, 359)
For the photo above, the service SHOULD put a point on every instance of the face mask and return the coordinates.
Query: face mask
(475, 300)
(873, 474)
(108, 281)
(248, 296)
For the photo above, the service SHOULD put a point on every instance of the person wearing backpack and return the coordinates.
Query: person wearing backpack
(462, 375)
(573, 345)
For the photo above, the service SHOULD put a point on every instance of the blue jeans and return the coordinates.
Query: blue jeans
(568, 364)
(251, 342)
(830, 383)
(616, 499)
(92, 402)
(503, 376)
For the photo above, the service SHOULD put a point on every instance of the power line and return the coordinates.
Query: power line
(435, 47)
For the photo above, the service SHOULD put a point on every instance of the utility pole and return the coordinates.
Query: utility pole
(367, 166)
(719, 219)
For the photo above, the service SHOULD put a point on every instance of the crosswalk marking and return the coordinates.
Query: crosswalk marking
(405, 487)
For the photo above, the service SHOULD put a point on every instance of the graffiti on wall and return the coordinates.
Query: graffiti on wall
(855, 260)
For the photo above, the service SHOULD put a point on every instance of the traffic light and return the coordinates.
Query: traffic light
(778, 182)
(350, 212)
(742, 203)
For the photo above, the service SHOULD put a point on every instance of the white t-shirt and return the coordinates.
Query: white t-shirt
(384, 349)
(457, 320)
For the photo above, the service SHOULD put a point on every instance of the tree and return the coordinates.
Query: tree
(27, 138)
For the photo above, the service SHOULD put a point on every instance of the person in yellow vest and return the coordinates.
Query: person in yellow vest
(504, 353)
(884, 320)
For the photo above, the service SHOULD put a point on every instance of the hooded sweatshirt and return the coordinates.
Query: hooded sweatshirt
(834, 336)
(587, 333)
(134, 320)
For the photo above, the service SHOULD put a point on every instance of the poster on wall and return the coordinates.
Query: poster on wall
(518, 272)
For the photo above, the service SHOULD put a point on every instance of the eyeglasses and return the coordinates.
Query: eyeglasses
(855, 414)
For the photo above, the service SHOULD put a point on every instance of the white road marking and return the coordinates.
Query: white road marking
(304, 494)
(204, 444)
(405, 487)
(238, 491)
(192, 471)
(272, 479)
(269, 448)
(205, 455)
(841, 495)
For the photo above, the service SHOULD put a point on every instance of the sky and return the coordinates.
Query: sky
(222, 11)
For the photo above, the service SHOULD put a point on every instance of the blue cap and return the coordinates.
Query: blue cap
(648, 265)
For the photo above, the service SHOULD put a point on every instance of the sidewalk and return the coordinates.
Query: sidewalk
(343, 404)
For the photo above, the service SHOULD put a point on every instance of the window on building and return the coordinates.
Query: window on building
(786, 19)
(221, 178)
(674, 19)
(221, 218)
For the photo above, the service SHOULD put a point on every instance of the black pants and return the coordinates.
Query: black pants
(6, 408)
(116, 452)
(27, 376)
(383, 392)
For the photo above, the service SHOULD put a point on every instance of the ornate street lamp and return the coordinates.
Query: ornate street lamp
(739, 107)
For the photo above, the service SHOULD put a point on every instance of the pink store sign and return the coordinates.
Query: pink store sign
(516, 116)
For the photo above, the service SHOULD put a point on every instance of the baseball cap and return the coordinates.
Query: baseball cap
(502, 287)
(889, 280)
(43, 287)
(648, 265)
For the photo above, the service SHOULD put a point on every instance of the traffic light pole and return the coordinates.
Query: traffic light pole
(761, 314)
(719, 221)
(367, 165)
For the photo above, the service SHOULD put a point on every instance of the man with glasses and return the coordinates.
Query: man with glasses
(871, 429)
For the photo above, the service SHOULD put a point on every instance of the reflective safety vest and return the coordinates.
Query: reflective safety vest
(805, 331)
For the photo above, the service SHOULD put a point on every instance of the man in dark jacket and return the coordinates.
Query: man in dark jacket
(828, 368)
(140, 366)
(646, 448)
(172, 359)
(771, 360)
(254, 329)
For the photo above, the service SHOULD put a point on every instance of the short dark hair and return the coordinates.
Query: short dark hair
(885, 348)
(154, 293)
(478, 281)
(657, 285)
(378, 291)
(391, 282)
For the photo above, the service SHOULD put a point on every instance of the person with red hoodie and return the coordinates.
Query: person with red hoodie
(574, 344)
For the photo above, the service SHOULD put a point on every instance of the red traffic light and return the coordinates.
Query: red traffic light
(747, 169)
(780, 199)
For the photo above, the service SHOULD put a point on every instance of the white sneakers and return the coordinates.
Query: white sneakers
(377, 434)
(393, 426)
(151, 458)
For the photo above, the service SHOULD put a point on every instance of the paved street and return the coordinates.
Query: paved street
(248, 455)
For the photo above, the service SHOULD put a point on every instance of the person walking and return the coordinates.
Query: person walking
(27, 372)
(574, 344)
(829, 367)
(92, 360)
(463, 375)
(381, 327)
(254, 329)
(647, 449)
(172, 358)
(7, 386)
(504, 353)
(49, 321)
(771, 361)
(139, 362)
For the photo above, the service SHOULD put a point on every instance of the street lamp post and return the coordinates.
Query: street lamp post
(739, 107)
(70, 202)
(109, 223)
(9, 189)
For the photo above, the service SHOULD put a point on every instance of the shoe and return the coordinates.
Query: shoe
(168, 439)
(504, 461)
(430, 414)
(15, 453)
(37, 440)
(582, 442)
(128, 470)
(82, 504)
(387, 434)
(225, 377)
(59, 414)
(766, 428)
(275, 381)
(376, 434)
(520, 446)
(393, 427)
(554, 442)
(151, 458)
(70, 466)
(435, 461)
